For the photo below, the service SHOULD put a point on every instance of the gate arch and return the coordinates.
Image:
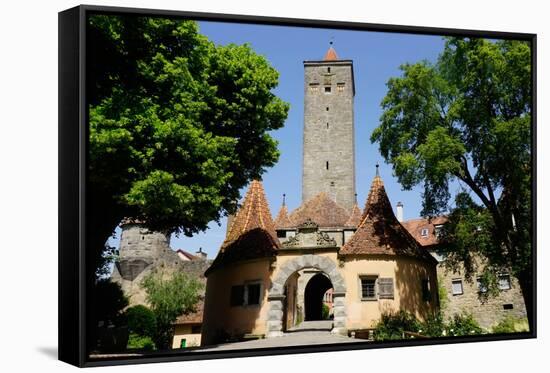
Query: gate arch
(276, 292)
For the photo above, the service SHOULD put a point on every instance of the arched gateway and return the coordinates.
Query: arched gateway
(276, 292)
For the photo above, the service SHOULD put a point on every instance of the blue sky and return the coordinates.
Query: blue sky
(376, 57)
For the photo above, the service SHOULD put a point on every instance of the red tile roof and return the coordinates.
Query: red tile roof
(379, 231)
(330, 55)
(282, 220)
(355, 217)
(252, 232)
(321, 210)
(415, 227)
(254, 213)
(188, 255)
(192, 317)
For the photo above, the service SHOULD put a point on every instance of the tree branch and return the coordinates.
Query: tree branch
(466, 176)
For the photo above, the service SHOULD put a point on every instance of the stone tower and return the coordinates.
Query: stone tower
(139, 248)
(328, 148)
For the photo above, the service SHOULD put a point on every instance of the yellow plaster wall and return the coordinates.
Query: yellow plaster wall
(184, 332)
(407, 274)
(237, 320)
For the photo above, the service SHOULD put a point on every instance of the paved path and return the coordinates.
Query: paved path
(320, 325)
(307, 333)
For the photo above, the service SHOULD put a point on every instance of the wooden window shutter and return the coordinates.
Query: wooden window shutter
(385, 288)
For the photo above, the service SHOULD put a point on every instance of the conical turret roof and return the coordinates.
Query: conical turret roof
(282, 220)
(355, 217)
(330, 55)
(379, 231)
(253, 214)
(252, 232)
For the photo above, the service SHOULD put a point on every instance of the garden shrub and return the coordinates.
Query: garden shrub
(511, 324)
(393, 325)
(434, 326)
(463, 324)
(141, 342)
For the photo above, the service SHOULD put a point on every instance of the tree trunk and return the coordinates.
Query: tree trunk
(100, 225)
(525, 280)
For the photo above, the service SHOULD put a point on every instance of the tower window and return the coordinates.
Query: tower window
(327, 165)
(327, 125)
(327, 89)
(340, 87)
(332, 183)
(314, 87)
(327, 108)
(328, 69)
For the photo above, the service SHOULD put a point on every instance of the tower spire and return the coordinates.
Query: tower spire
(331, 53)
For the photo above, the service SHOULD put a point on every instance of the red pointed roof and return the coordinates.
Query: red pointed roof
(252, 232)
(379, 231)
(416, 226)
(322, 210)
(282, 220)
(355, 216)
(254, 213)
(330, 55)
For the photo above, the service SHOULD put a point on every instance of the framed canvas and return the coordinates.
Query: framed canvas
(235, 186)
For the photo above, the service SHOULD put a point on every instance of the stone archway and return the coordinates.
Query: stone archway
(314, 292)
(276, 293)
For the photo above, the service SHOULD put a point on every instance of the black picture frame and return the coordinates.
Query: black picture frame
(73, 177)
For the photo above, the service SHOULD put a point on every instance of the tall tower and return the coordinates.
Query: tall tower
(328, 149)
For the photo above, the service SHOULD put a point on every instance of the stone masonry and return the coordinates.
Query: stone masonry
(328, 143)
(142, 251)
(487, 312)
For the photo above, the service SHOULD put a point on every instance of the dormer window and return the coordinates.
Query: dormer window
(424, 232)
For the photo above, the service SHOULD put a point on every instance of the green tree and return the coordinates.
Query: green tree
(169, 296)
(142, 325)
(467, 118)
(109, 303)
(141, 320)
(177, 125)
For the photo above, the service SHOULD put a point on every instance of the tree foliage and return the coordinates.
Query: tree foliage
(177, 125)
(169, 296)
(108, 302)
(141, 320)
(467, 118)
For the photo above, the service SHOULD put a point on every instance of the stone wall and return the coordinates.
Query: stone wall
(328, 143)
(142, 251)
(487, 312)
